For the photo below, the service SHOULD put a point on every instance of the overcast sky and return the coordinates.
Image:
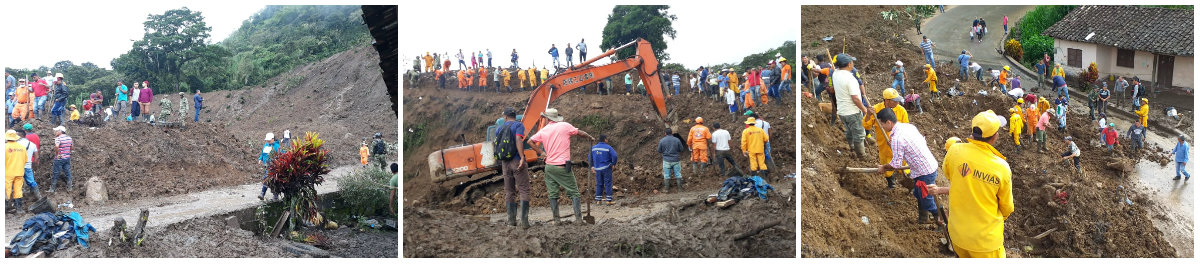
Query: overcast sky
(98, 31)
(705, 34)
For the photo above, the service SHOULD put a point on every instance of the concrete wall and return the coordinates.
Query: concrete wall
(1106, 62)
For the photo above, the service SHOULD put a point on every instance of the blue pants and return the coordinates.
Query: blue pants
(1179, 169)
(767, 149)
(628, 88)
(676, 89)
(135, 111)
(197, 115)
(962, 72)
(61, 167)
(1062, 91)
(786, 85)
(926, 203)
(668, 166)
(733, 108)
(39, 103)
(773, 91)
(56, 113)
(755, 92)
(29, 178)
(929, 59)
(899, 86)
(979, 75)
(1004, 89)
(604, 184)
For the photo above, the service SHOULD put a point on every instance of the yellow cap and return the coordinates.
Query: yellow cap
(750, 121)
(11, 135)
(699, 120)
(889, 94)
(927, 66)
(987, 122)
(950, 142)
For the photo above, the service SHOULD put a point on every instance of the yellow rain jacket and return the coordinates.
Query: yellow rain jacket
(1144, 114)
(980, 193)
(1015, 123)
(885, 149)
(754, 139)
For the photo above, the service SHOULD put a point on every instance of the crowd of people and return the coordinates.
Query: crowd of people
(21, 148)
(983, 200)
(553, 143)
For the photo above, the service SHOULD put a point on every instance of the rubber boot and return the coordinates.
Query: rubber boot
(554, 208)
(679, 181)
(512, 214)
(666, 186)
(703, 166)
(575, 206)
(766, 174)
(525, 214)
(19, 205)
(695, 167)
(891, 181)
(922, 216)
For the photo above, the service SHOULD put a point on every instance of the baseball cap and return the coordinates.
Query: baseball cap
(987, 122)
(844, 59)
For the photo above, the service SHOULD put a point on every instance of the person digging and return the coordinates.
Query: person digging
(908, 145)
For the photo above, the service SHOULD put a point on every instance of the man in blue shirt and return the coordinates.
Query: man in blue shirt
(1060, 86)
(1181, 159)
(964, 60)
(1041, 70)
(603, 158)
(554, 53)
(198, 103)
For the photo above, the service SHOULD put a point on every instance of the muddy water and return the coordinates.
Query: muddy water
(1173, 199)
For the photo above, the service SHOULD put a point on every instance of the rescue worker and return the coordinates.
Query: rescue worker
(697, 139)
(849, 106)
(1031, 118)
(980, 191)
(460, 79)
(521, 78)
(1015, 124)
(14, 170)
(269, 147)
(507, 79)
(910, 148)
(23, 104)
(532, 75)
(483, 74)
(891, 100)
(1003, 80)
(183, 107)
(164, 113)
(428, 62)
(379, 150)
(1143, 113)
(603, 158)
(720, 140)
(555, 139)
(545, 75)
(931, 79)
(754, 141)
(363, 153)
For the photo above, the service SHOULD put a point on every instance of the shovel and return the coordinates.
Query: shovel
(588, 218)
(942, 212)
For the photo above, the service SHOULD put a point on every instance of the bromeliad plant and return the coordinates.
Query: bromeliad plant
(295, 172)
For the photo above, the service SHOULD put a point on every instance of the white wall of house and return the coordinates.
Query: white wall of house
(1183, 74)
(1106, 62)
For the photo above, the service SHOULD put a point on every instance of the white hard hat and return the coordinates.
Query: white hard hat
(270, 136)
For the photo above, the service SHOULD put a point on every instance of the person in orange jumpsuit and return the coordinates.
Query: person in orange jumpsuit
(697, 139)
(363, 153)
(483, 74)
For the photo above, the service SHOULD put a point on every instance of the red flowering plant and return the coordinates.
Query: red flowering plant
(295, 171)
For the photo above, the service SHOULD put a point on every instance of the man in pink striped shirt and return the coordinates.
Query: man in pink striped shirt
(908, 145)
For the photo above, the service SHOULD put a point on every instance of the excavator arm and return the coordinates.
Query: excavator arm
(583, 74)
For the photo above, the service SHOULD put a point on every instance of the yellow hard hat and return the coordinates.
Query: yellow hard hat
(951, 141)
(987, 122)
(1006, 68)
(928, 66)
(750, 121)
(1020, 101)
(1145, 100)
(699, 120)
(889, 94)
(11, 135)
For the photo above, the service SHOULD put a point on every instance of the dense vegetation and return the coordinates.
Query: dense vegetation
(176, 54)
(1029, 31)
(630, 22)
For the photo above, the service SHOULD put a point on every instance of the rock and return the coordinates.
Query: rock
(232, 221)
(96, 193)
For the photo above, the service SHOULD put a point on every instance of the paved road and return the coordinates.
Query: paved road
(169, 210)
(950, 31)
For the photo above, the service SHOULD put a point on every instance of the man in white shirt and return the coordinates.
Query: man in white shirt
(731, 102)
(721, 139)
(850, 108)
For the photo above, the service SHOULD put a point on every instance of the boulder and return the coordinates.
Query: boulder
(96, 193)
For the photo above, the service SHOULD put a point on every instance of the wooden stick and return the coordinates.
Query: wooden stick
(1044, 234)
(866, 170)
(756, 230)
(279, 223)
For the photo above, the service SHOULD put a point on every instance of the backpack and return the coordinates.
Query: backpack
(505, 145)
(379, 147)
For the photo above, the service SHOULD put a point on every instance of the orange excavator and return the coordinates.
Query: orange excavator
(477, 159)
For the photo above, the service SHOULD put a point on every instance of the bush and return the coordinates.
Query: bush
(366, 192)
(1013, 48)
(1032, 25)
(296, 172)
(1088, 78)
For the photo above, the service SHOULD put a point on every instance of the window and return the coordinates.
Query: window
(1125, 58)
(1075, 58)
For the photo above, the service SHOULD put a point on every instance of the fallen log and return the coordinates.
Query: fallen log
(279, 223)
(756, 230)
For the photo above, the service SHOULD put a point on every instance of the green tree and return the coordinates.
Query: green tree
(1031, 26)
(788, 50)
(630, 22)
(279, 38)
(171, 40)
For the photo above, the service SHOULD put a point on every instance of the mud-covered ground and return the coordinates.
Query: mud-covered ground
(212, 238)
(434, 119)
(1095, 222)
